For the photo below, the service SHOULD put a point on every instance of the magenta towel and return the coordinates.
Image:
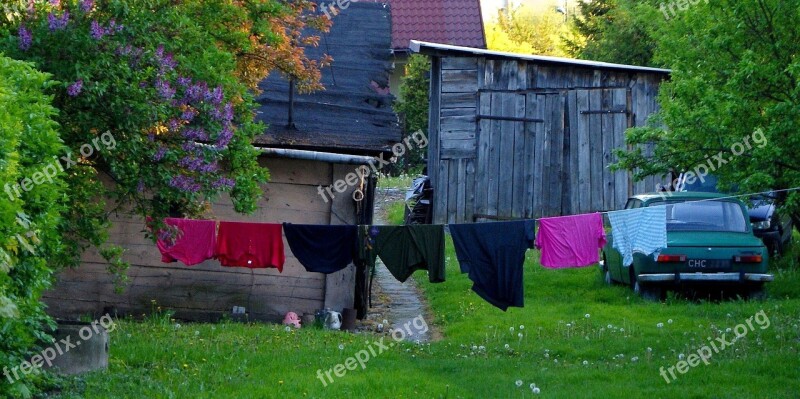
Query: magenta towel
(570, 241)
(189, 241)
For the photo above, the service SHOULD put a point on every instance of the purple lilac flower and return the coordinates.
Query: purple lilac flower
(55, 3)
(140, 186)
(160, 153)
(188, 146)
(75, 88)
(195, 134)
(196, 92)
(174, 125)
(164, 89)
(87, 5)
(97, 32)
(209, 167)
(215, 96)
(185, 183)
(57, 23)
(151, 137)
(25, 38)
(189, 114)
(224, 182)
(224, 136)
(184, 81)
(114, 28)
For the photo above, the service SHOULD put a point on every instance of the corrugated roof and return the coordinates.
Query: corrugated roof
(354, 113)
(444, 49)
(458, 22)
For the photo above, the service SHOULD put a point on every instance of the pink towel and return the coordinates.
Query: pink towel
(570, 241)
(189, 241)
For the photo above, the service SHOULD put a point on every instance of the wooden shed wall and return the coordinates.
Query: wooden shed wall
(516, 139)
(208, 290)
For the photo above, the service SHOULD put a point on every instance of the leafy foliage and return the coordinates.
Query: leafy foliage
(413, 106)
(527, 31)
(736, 79)
(29, 222)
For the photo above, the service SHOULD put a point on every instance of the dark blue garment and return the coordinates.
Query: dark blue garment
(493, 254)
(322, 249)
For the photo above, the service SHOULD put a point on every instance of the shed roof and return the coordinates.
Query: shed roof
(354, 113)
(445, 50)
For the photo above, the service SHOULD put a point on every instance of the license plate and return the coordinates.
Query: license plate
(706, 264)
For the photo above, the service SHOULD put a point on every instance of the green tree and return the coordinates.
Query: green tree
(29, 233)
(619, 31)
(735, 88)
(413, 107)
(528, 31)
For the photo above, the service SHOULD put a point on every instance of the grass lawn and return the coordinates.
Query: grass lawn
(574, 338)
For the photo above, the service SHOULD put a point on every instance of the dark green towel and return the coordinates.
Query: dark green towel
(405, 249)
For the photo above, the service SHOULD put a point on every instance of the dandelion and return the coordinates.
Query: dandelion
(341, 347)
(569, 325)
(481, 348)
(507, 346)
(587, 315)
(196, 333)
(288, 329)
(649, 349)
(610, 326)
(621, 330)
(635, 358)
(727, 330)
(660, 325)
(519, 383)
(177, 326)
(585, 362)
(536, 390)
(474, 347)
(511, 330)
(669, 321)
(520, 335)
(681, 356)
(547, 355)
(521, 327)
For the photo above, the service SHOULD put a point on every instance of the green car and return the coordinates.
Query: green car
(710, 244)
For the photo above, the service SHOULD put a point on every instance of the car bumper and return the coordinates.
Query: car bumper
(724, 277)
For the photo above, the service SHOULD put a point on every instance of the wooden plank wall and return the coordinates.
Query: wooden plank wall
(525, 169)
(207, 291)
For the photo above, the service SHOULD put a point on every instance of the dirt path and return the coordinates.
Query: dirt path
(395, 303)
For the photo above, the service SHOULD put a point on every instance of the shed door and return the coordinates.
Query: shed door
(598, 119)
(520, 158)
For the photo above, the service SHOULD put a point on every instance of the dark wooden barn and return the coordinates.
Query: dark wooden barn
(330, 134)
(515, 136)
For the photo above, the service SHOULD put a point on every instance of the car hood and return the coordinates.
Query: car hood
(711, 239)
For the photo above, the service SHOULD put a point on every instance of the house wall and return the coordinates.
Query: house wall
(514, 139)
(207, 291)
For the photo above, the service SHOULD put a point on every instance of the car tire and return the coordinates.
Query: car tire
(647, 292)
(607, 278)
(757, 293)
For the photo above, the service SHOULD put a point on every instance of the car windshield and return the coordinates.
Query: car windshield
(704, 216)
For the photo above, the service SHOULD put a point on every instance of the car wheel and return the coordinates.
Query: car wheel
(648, 293)
(757, 293)
(606, 273)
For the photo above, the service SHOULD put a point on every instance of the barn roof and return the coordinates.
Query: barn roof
(354, 113)
(457, 22)
(449, 50)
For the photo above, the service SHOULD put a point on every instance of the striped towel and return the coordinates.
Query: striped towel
(641, 230)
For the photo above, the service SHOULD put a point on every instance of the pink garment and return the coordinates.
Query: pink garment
(189, 241)
(570, 241)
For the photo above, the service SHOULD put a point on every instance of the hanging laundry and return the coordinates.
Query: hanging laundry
(405, 249)
(642, 230)
(494, 254)
(571, 241)
(186, 240)
(253, 245)
(322, 249)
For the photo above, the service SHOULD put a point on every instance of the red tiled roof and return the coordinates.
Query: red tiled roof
(456, 22)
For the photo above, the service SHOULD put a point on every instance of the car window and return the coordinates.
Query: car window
(706, 215)
(633, 204)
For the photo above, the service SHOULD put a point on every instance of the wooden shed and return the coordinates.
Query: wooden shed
(515, 136)
(312, 141)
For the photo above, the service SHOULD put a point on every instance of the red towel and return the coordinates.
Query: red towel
(253, 245)
(189, 241)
